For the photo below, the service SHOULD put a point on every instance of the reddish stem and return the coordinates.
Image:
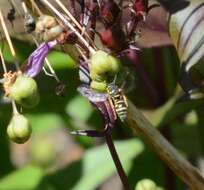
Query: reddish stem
(117, 162)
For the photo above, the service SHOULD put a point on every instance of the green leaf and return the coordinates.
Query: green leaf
(57, 59)
(147, 184)
(61, 60)
(96, 166)
(45, 122)
(27, 178)
(186, 29)
(179, 109)
(186, 138)
(79, 108)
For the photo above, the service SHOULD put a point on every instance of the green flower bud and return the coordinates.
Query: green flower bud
(25, 91)
(115, 64)
(102, 62)
(19, 129)
(146, 184)
(96, 77)
(99, 86)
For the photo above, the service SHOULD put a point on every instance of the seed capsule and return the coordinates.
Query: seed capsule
(99, 86)
(102, 62)
(19, 129)
(25, 91)
(47, 28)
(146, 184)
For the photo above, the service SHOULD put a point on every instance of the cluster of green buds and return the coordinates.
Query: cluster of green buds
(147, 184)
(23, 90)
(19, 129)
(103, 66)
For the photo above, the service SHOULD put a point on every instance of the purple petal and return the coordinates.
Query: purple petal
(101, 102)
(92, 95)
(36, 59)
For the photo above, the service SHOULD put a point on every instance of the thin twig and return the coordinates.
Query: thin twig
(13, 52)
(75, 21)
(69, 25)
(25, 9)
(178, 164)
(36, 7)
(3, 61)
(14, 107)
(7, 34)
(117, 162)
(81, 52)
(52, 71)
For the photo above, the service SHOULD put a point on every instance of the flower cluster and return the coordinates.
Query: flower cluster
(97, 67)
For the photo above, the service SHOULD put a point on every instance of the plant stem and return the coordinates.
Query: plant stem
(176, 162)
(3, 61)
(70, 26)
(69, 14)
(117, 162)
(13, 52)
(15, 110)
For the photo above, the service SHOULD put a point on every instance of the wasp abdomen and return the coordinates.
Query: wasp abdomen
(119, 101)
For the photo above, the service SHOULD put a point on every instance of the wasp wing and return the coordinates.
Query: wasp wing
(92, 95)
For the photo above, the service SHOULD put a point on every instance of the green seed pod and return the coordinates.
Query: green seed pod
(115, 64)
(99, 86)
(25, 91)
(19, 129)
(97, 77)
(102, 62)
(146, 184)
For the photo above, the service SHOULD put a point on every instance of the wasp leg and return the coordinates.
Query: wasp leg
(94, 133)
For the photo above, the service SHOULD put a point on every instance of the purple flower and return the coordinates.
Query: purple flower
(36, 59)
(101, 102)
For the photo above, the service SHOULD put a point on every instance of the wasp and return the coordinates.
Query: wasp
(118, 100)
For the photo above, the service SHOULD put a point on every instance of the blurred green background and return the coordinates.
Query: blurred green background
(54, 160)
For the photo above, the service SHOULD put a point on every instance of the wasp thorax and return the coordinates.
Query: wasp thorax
(24, 91)
(112, 89)
(19, 129)
(47, 28)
